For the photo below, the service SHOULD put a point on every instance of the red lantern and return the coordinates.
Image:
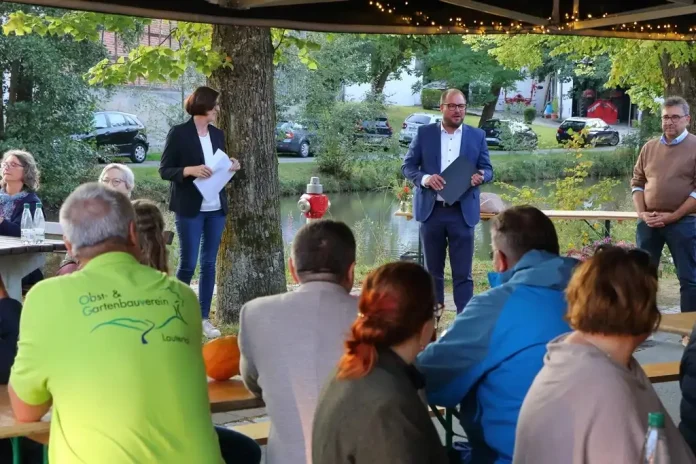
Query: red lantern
(589, 93)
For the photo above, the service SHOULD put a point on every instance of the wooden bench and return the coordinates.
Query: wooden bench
(662, 372)
(680, 323)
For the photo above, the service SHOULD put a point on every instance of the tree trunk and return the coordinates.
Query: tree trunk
(680, 81)
(250, 260)
(381, 79)
(489, 107)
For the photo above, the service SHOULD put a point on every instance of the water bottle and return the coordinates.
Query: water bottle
(655, 446)
(27, 226)
(39, 225)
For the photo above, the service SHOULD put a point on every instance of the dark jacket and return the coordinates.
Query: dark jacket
(10, 311)
(183, 149)
(378, 418)
(687, 382)
(12, 226)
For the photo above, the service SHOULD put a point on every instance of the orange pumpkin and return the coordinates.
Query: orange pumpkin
(221, 357)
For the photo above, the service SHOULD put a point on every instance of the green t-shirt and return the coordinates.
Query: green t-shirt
(117, 347)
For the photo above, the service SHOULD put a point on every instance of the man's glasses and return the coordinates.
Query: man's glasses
(113, 182)
(10, 165)
(673, 118)
(452, 107)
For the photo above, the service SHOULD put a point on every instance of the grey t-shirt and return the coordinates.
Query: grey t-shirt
(584, 408)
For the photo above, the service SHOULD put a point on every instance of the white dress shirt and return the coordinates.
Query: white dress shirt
(207, 146)
(450, 146)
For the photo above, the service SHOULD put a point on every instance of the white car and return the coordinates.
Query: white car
(413, 122)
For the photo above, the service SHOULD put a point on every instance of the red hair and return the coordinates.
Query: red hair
(397, 299)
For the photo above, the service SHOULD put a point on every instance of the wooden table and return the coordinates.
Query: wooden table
(231, 395)
(680, 323)
(662, 372)
(17, 260)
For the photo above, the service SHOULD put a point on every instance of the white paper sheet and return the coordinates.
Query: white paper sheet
(210, 187)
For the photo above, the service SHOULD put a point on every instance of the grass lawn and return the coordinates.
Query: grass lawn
(154, 156)
(398, 114)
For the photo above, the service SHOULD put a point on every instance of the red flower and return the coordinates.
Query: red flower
(406, 189)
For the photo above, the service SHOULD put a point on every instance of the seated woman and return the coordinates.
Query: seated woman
(117, 176)
(370, 412)
(20, 181)
(150, 225)
(590, 402)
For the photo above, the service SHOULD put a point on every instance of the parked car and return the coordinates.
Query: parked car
(122, 133)
(376, 131)
(413, 122)
(523, 135)
(295, 138)
(599, 132)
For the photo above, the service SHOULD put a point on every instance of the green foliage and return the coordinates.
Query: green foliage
(529, 114)
(649, 126)
(430, 98)
(158, 63)
(343, 144)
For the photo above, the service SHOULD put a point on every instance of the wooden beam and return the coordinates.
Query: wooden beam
(247, 4)
(683, 2)
(645, 14)
(497, 11)
(576, 8)
(556, 13)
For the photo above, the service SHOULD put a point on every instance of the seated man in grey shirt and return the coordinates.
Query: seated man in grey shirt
(290, 343)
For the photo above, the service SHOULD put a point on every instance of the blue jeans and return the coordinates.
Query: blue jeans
(444, 227)
(237, 448)
(203, 233)
(680, 237)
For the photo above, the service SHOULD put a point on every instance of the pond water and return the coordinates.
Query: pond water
(381, 234)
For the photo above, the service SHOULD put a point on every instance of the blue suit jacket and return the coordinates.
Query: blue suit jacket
(423, 158)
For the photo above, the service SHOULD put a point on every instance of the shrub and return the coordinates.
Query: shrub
(529, 114)
(430, 98)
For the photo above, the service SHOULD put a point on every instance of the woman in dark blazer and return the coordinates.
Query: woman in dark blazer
(187, 152)
(370, 411)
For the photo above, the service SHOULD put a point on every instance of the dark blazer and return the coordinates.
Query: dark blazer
(378, 418)
(183, 149)
(424, 157)
(12, 226)
(687, 382)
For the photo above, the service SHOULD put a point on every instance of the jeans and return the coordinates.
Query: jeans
(237, 448)
(202, 232)
(444, 227)
(680, 238)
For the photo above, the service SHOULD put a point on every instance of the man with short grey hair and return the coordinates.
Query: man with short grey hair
(664, 196)
(290, 343)
(115, 348)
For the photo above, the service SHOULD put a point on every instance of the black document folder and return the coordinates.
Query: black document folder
(457, 179)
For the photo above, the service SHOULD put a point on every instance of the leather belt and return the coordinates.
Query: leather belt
(443, 204)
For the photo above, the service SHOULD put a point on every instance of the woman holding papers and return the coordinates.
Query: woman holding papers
(188, 154)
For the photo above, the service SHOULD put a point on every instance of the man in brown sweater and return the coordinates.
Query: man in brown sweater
(664, 195)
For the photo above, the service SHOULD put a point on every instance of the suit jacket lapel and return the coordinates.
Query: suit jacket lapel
(438, 147)
(462, 151)
(196, 147)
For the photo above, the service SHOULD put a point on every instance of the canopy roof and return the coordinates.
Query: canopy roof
(647, 19)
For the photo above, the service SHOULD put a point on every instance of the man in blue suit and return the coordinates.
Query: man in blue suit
(432, 150)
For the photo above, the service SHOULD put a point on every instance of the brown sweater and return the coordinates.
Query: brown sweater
(667, 173)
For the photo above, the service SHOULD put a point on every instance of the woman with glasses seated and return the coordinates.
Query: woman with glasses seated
(590, 402)
(20, 181)
(117, 176)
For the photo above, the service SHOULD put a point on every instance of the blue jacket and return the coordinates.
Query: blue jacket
(424, 157)
(490, 355)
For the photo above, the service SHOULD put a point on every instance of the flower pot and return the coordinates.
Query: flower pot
(404, 206)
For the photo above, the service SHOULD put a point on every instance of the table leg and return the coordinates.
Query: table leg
(14, 267)
(16, 450)
(449, 432)
(607, 228)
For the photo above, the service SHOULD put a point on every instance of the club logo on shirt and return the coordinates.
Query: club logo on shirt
(100, 303)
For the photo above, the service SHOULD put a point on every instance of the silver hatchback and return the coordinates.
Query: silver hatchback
(413, 122)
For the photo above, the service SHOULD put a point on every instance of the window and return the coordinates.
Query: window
(99, 121)
(419, 119)
(131, 121)
(117, 120)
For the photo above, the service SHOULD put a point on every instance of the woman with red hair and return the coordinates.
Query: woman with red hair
(370, 411)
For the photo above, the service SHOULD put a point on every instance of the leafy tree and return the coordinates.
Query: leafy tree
(648, 68)
(240, 62)
(461, 65)
(45, 101)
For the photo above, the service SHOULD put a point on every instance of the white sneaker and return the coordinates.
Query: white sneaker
(209, 330)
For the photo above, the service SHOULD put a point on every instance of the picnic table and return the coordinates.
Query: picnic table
(680, 323)
(17, 260)
(230, 395)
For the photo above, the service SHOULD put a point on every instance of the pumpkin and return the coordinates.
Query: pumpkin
(221, 357)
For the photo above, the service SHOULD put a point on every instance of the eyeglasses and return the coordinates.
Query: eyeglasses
(673, 118)
(10, 165)
(452, 107)
(113, 182)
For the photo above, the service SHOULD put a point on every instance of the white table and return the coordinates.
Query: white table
(17, 260)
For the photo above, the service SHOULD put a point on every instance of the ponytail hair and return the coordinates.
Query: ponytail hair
(149, 223)
(397, 299)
